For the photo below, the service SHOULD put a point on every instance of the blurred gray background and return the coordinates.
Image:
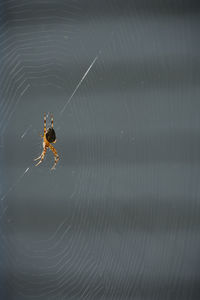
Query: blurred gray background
(119, 218)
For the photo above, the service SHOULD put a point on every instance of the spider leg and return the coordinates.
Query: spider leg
(41, 157)
(42, 152)
(56, 157)
(37, 158)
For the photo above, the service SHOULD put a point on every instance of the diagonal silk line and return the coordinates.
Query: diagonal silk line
(15, 184)
(78, 85)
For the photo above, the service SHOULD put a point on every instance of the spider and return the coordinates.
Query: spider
(48, 138)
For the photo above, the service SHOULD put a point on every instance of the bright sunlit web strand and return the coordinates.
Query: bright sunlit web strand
(78, 85)
(25, 132)
(15, 184)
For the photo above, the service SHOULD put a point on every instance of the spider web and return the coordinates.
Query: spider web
(112, 221)
(34, 49)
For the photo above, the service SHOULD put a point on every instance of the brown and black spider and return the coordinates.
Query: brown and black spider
(48, 138)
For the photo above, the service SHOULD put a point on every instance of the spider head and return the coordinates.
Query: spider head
(51, 135)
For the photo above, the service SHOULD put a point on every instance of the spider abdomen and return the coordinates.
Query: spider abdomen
(51, 135)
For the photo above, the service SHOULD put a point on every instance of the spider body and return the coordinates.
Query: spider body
(48, 137)
(51, 135)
